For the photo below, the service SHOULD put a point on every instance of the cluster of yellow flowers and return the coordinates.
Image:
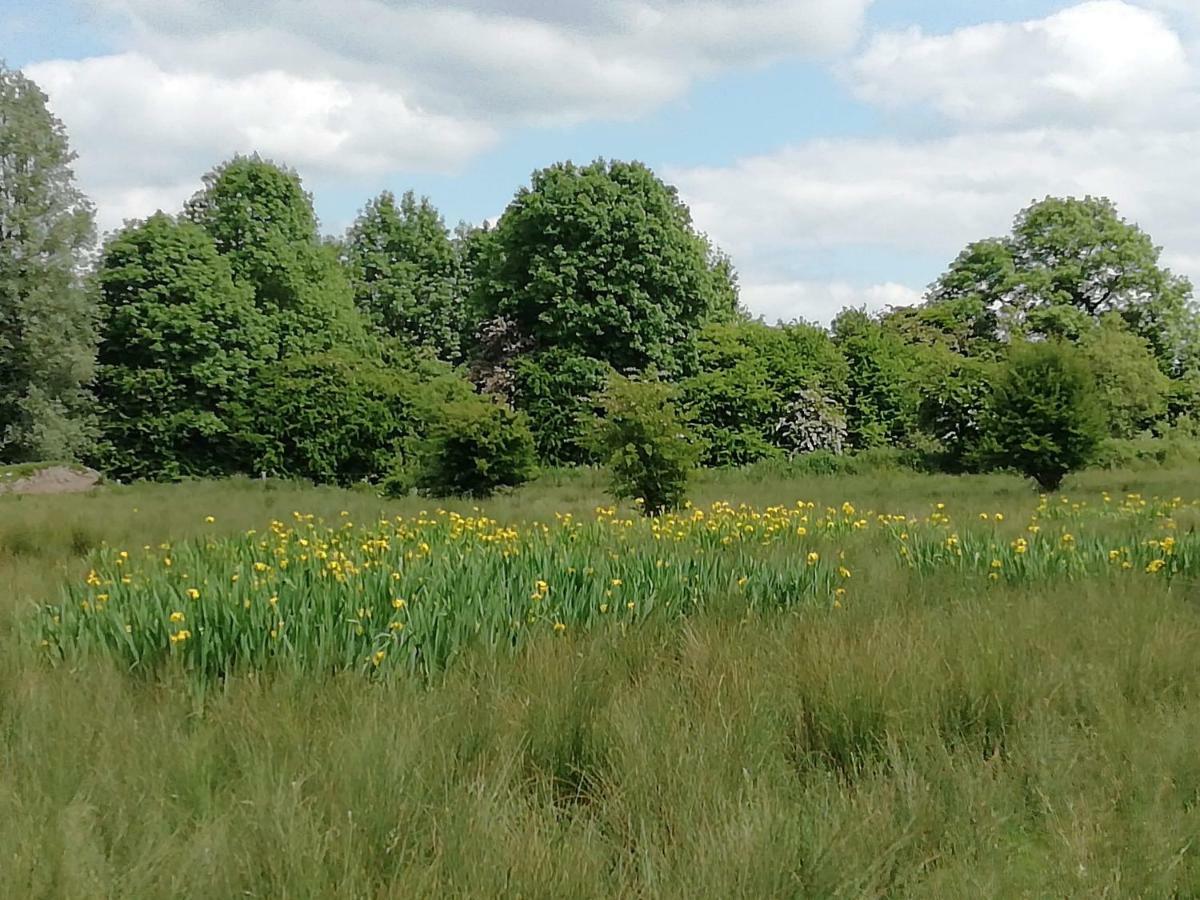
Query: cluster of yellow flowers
(430, 584)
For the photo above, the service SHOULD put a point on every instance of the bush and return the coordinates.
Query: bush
(476, 447)
(337, 418)
(1044, 418)
(649, 453)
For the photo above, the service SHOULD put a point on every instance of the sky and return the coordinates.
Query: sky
(841, 151)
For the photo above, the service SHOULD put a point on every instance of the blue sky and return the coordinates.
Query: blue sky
(841, 150)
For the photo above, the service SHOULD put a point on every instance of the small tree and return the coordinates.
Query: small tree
(649, 453)
(1045, 419)
(477, 447)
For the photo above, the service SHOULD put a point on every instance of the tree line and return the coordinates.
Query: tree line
(593, 323)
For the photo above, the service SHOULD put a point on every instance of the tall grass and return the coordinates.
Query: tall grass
(939, 734)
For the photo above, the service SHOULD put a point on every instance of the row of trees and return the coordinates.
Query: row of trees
(231, 337)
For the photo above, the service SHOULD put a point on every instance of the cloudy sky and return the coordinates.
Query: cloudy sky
(842, 151)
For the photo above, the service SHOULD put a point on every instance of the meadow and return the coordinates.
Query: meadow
(852, 686)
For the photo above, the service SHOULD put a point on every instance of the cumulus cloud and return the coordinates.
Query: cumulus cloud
(1091, 100)
(779, 214)
(821, 301)
(1103, 59)
(147, 133)
(518, 60)
(360, 89)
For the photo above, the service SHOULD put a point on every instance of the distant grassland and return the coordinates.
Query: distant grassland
(887, 719)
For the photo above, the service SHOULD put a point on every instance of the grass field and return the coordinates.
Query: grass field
(938, 704)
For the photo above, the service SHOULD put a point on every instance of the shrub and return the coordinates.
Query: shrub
(812, 422)
(1045, 419)
(476, 447)
(649, 452)
(334, 417)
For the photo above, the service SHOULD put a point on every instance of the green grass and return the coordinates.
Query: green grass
(938, 734)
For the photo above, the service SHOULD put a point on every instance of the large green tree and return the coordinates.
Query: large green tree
(603, 261)
(181, 347)
(1070, 261)
(262, 221)
(47, 318)
(404, 270)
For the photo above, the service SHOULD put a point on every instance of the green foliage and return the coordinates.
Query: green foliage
(954, 408)
(476, 447)
(342, 418)
(1133, 390)
(647, 448)
(747, 382)
(883, 385)
(263, 222)
(558, 391)
(602, 261)
(180, 348)
(1044, 418)
(1069, 260)
(404, 270)
(47, 318)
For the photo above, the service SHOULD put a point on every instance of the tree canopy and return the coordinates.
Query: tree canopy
(603, 261)
(47, 318)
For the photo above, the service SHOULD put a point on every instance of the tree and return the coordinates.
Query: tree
(476, 447)
(47, 318)
(603, 261)
(1131, 387)
(558, 391)
(404, 270)
(1044, 418)
(180, 347)
(1071, 259)
(263, 222)
(883, 381)
(647, 447)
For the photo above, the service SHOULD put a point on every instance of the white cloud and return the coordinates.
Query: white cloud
(781, 214)
(519, 60)
(818, 301)
(360, 89)
(146, 135)
(1103, 60)
(1092, 100)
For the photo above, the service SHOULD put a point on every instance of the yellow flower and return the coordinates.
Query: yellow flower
(1156, 565)
(617, 582)
(273, 600)
(983, 517)
(167, 561)
(1114, 555)
(378, 657)
(209, 519)
(843, 572)
(999, 517)
(813, 558)
(398, 603)
(180, 636)
(996, 564)
(742, 581)
(603, 607)
(396, 626)
(177, 616)
(193, 594)
(560, 627)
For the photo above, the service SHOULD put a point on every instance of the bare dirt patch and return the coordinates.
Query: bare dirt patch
(50, 480)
